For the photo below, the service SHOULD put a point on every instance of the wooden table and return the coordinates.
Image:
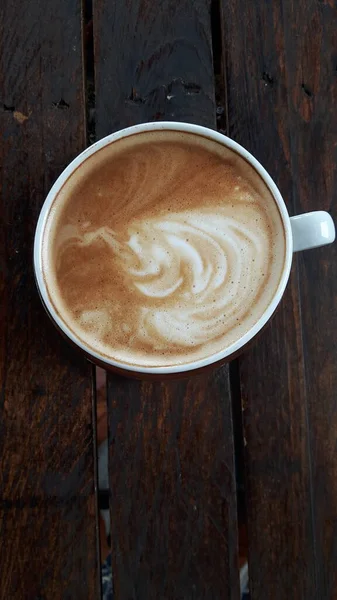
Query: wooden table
(265, 73)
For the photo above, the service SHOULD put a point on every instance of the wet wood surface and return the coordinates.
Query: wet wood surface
(172, 480)
(47, 503)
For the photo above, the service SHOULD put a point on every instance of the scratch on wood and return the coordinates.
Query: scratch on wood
(20, 117)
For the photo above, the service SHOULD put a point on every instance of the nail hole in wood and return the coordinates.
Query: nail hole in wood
(267, 78)
(192, 88)
(134, 97)
(306, 90)
(61, 104)
(8, 108)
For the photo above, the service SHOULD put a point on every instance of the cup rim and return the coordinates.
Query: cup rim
(126, 132)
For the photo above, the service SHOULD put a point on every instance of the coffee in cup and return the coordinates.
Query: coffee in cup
(161, 249)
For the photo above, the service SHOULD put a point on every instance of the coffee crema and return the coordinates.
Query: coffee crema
(162, 248)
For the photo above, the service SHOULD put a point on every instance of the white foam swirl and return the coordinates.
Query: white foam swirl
(206, 267)
(195, 275)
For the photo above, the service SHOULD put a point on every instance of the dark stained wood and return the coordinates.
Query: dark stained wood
(153, 62)
(172, 489)
(173, 508)
(312, 80)
(47, 506)
(280, 72)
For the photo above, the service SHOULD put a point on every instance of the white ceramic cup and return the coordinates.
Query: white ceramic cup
(309, 230)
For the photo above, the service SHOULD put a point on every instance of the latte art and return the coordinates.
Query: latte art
(176, 282)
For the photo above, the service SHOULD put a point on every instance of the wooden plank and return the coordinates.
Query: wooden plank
(281, 90)
(153, 62)
(311, 71)
(47, 504)
(173, 513)
(173, 506)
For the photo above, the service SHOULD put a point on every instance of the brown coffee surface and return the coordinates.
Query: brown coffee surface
(162, 248)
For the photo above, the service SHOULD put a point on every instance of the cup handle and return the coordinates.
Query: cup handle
(312, 229)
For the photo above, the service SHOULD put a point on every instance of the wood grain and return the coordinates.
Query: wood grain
(47, 507)
(173, 507)
(153, 62)
(172, 488)
(280, 72)
(311, 70)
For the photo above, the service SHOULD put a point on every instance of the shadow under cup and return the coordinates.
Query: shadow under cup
(47, 216)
